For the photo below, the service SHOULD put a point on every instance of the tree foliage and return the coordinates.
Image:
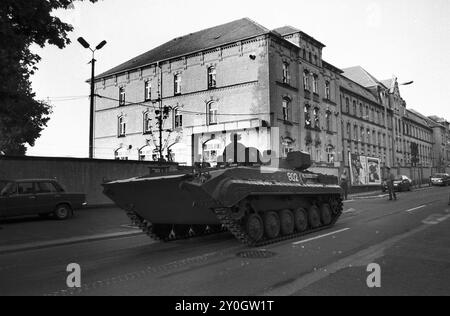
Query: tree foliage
(23, 23)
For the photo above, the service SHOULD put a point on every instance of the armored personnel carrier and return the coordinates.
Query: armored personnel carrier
(257, 204)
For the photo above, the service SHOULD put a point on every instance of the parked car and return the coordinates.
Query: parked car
(38, 197)
(440, 179)
(401, 183)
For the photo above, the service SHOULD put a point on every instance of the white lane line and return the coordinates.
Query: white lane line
(416, 208)
(321, 236)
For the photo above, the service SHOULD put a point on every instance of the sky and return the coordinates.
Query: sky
(406, 38)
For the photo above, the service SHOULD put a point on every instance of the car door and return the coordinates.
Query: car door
(23, 200)
(46, 196)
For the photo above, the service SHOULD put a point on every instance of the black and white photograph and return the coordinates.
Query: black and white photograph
(224, 154)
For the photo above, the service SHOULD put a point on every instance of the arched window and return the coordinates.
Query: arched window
(146, 153)
(286, 73)
(211, 77)
(212, 113)
(361, 110)
(355, 132)
(121, 126)
(121, 154)
(354, 108)
(286, 109)
(307, 116)
(147, 123)
(177, 84)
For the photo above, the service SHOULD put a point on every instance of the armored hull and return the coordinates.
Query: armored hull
(257, 205)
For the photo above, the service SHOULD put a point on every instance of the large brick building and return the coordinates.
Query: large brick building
(272, 88)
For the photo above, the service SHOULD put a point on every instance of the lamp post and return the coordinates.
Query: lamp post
(85, 44)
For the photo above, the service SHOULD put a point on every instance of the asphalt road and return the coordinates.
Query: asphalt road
(409, 239)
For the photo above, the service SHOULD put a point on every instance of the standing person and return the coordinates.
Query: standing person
(390, 184)
(344, 184)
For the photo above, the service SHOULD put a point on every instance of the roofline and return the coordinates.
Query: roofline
(180, 56)
(334, 68)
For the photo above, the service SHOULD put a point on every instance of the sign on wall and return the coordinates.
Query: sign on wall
(364, 170)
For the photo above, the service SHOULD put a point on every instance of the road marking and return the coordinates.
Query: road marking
(350, 210)
(321, 236)
(416, 208)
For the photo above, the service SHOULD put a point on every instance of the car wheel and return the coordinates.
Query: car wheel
(63, 212)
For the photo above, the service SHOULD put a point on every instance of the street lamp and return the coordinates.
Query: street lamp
(86, 45)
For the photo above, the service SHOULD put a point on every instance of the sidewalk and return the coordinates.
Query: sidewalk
(87, 225)
(379, 194)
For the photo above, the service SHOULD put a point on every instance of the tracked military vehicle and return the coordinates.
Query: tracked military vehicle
(257, 204)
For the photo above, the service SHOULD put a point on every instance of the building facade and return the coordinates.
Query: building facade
(269, 90)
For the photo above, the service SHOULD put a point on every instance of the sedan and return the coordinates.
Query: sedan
(440, 179)
(401, 183)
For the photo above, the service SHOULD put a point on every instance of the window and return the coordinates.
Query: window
(286, 73)
(146, 153)
(177, 84)
(327, 90)
(306, 80)
(307, 116)
(122, 126)
(212, 113)
(25, 188)
(361, 110)
(147, 123)
(315, 84)
(316, 60)
(148, 90)
(121, 96)
(354, 108)
(304, 54)
(178, 119)
(363, 135)
(347, 105)
(330, 154)
(45, 187)
(355, 132)
(121, 154)
(310, 57)
(211, 77)
(286, 109)
(349, 132)
(328, 120)
(316, 118)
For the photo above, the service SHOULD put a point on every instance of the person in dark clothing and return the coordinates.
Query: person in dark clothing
(344, 184)
(390, 184)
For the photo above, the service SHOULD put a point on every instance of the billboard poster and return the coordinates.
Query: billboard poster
(364, 170)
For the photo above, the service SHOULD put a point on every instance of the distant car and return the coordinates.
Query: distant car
(401, 183)
(38, 197)
(440, 179)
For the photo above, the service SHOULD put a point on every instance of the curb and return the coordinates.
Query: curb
(66, 241)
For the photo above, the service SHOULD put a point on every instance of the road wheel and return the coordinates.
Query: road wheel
(325, 212)
(287, 223)
(162, 230)
(62, 212)
(181, 231)
(254, 227)
(271, 225)
(301, 220)
(314, 217)
(199, 230)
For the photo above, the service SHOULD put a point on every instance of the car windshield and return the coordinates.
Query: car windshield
(399, 179)
(439, 175)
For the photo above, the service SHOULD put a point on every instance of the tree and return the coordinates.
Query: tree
(23, 23)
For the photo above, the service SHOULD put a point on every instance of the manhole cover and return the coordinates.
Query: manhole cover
(256, 254)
